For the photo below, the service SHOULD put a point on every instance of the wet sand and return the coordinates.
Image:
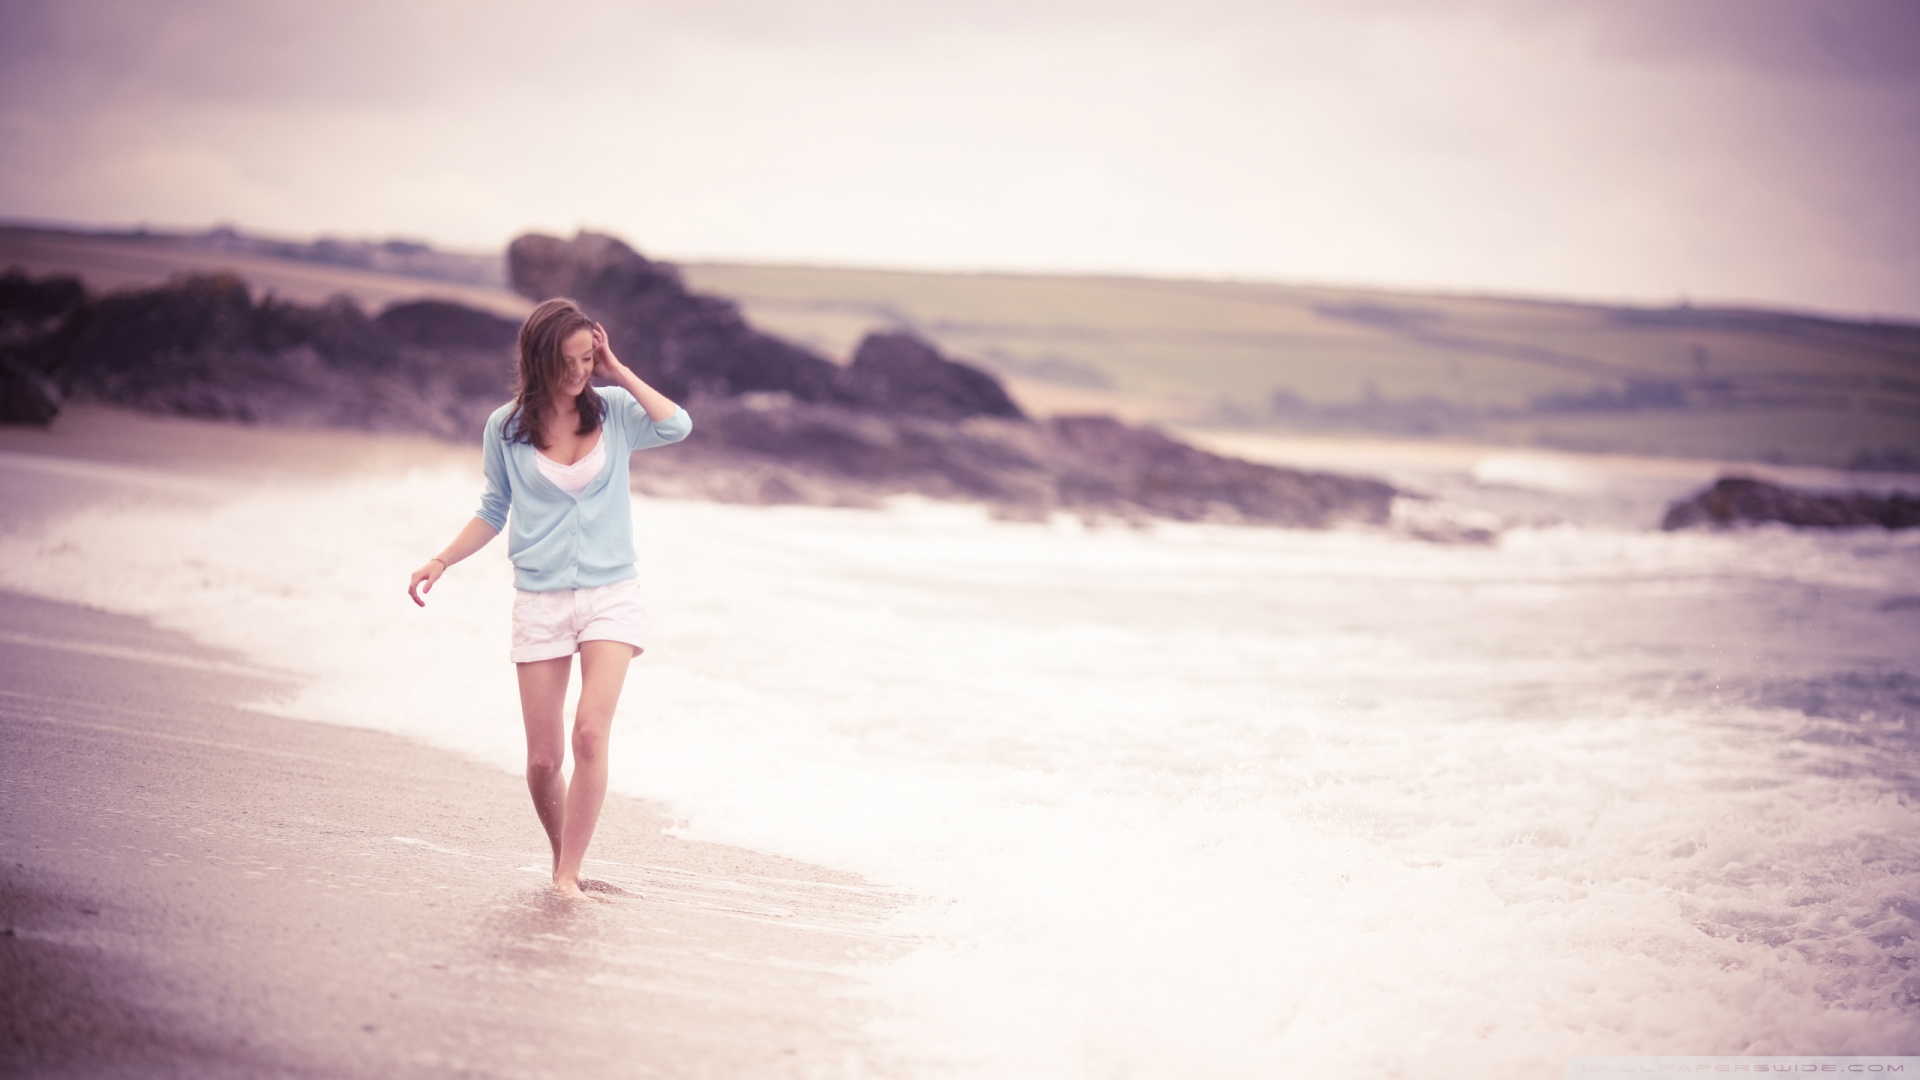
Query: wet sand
(197, 449)
(192, 887)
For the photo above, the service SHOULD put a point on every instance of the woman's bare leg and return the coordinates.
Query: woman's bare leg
(543, 702)
(603, 671)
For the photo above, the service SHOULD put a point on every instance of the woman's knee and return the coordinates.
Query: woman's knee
(589, 742)
(541, 766)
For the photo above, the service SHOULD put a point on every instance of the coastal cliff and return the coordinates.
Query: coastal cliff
(775, 422)
(1734, 500)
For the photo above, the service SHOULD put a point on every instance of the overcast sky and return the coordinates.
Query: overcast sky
(1723, 150)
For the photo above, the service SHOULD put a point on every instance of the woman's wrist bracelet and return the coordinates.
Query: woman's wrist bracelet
(441, 561)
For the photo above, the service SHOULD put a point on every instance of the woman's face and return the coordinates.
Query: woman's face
(577, 351)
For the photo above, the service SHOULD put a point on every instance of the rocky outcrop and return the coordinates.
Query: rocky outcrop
(1100, 462)
(901, 374)
(780, 424)
(771, 449)
(1738, 500)
(436, 324)
(28, 304)
(470, 351)
(202, 346)
(762, 449)
(776, 423)
(26, 395)
(690, 344)
(27, 308)
(685, 343)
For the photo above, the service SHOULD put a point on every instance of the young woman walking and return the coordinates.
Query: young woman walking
(557, 455)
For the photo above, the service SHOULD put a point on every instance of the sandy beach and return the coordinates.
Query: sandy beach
(913, 791)
(192, 887)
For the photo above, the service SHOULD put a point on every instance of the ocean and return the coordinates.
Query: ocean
(1194, 800)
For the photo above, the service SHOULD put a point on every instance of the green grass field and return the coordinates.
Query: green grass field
(1686, 381)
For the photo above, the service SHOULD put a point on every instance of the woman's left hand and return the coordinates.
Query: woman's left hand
(605, 365)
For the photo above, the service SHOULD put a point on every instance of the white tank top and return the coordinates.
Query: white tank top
(573, 479)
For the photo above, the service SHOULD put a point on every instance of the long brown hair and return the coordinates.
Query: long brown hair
(542, 365)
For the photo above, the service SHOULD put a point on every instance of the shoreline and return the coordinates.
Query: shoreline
(883, 692)
(191, 886)
(109, 434)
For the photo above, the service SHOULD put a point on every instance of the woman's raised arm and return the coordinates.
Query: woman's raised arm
(607, 366)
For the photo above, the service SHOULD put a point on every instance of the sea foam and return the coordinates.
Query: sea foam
(1191, 800)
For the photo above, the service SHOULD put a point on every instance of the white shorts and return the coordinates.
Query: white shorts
(552, 624)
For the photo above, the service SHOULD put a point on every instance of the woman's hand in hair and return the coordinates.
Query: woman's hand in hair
(606, 366)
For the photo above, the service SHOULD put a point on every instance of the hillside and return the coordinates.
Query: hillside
(1698, 382)
(1223, 356)
(373, 275)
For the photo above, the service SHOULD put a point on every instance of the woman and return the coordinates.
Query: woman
(557, 454)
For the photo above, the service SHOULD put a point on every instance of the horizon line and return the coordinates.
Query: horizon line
(1684, 302)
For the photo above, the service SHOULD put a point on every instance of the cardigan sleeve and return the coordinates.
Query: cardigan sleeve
(648, 432)
(498, 494)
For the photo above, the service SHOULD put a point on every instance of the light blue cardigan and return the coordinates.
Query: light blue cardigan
(560, 541)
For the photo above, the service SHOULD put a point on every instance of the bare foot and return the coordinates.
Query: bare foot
(569, 888)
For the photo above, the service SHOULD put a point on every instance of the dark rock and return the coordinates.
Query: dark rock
(473, 351)
(858, 457)
(28, 308)
(436, 324)
(212, 316)
(693, 345)
(1101, 462)
(899, 373)
(189, 347)
(337, 330)
(776, 423)
(200, 346)
(764, 449)
(26, 396)
(540, 267)
(31, 303)
(1734, 500)
(684, 343)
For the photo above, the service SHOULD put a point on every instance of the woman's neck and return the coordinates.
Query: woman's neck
(563, 417)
